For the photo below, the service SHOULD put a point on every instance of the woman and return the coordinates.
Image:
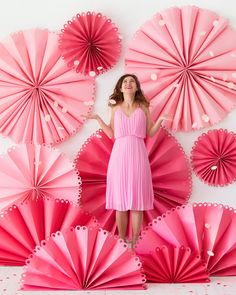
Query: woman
(129, 181)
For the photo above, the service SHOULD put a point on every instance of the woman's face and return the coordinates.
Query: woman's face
(129, 85)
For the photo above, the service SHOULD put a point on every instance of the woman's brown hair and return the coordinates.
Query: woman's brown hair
(117, 95)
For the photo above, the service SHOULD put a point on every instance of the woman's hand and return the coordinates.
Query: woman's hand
(91, 116)
(165, 118)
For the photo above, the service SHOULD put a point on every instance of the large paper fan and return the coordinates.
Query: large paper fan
(170, 175)
(83, 258)
(42, 100)
(174, 265)
(30, 171)
(208, 229)
(90, 43)
(214, 157)
(185, 59)
(22, 227)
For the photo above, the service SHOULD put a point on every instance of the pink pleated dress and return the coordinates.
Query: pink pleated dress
(129, 179)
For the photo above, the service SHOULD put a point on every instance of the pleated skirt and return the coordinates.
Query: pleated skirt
(129, 179)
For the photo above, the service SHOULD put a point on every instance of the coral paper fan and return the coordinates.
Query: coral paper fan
(214, 157)
(90, 43)
(83, 258)
(186, 61)
(208, 229)
(30, 171)
(36, 220)
(41, 99)
(174, 265)
(170, 175)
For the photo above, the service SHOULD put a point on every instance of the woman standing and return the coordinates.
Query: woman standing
(129, 180)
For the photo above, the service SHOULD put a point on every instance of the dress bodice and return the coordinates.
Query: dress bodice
(134, 124)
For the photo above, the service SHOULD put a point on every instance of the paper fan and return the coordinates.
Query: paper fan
(185, 59)
(174, 265)
(22, 227)
(83, 258)
(90, 43)
(170, 175)
(208, 229)
(31, 171)
(214, 157)
(41, 99)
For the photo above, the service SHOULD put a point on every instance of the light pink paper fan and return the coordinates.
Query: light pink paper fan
(83, 258)
(22, 227)
(90, 43)
(185, 59)
(214, 157)
(208, 229)
(41, 99)
(30, 171)
(170, 175)
(174, 265)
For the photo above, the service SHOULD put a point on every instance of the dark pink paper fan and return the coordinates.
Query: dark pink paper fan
(30, 171)
(214, 157)
(171, 264)
(208, 229)
(41, 100)
(170, 175)
(90, 43)
(83, 258)
(185, 59)
(22, 227)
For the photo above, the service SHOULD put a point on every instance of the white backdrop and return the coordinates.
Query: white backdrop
(18, 15)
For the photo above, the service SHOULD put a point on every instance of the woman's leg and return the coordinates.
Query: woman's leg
(122, 222)
(137, 220)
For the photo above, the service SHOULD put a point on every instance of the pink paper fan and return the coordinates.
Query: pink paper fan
(174, 265)
(83, 258)
(208, 229)
(214, 157)
(31, 171)
(90, 43)
(186, 61)
(41, 99)
(170, 171)
(22, 227)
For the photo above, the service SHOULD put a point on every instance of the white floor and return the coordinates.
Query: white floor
(10, 277)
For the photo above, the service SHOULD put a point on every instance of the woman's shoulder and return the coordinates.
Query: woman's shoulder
(144, 108)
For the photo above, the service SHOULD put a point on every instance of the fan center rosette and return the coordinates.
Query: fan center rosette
(42, 100)
(185, 59)
(90, 43)
(30, 171)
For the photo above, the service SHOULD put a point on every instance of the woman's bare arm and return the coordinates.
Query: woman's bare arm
(108, 129)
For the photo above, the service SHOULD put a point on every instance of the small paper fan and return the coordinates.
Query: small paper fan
(30, 171)
(185, 59)
(83, 258)
(174, 265)
(208, 229)
(90, 43)
(22, 227)
(214, 157)
(170, 172)
(42, 100)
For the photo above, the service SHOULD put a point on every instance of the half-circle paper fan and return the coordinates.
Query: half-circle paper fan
(22, 227)
(185, 59)
(214, 157)
(30, 171)
(170, 175)
(90, 43)
(41, 99)
(208, 229)
(83, 258)
(174, 265)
